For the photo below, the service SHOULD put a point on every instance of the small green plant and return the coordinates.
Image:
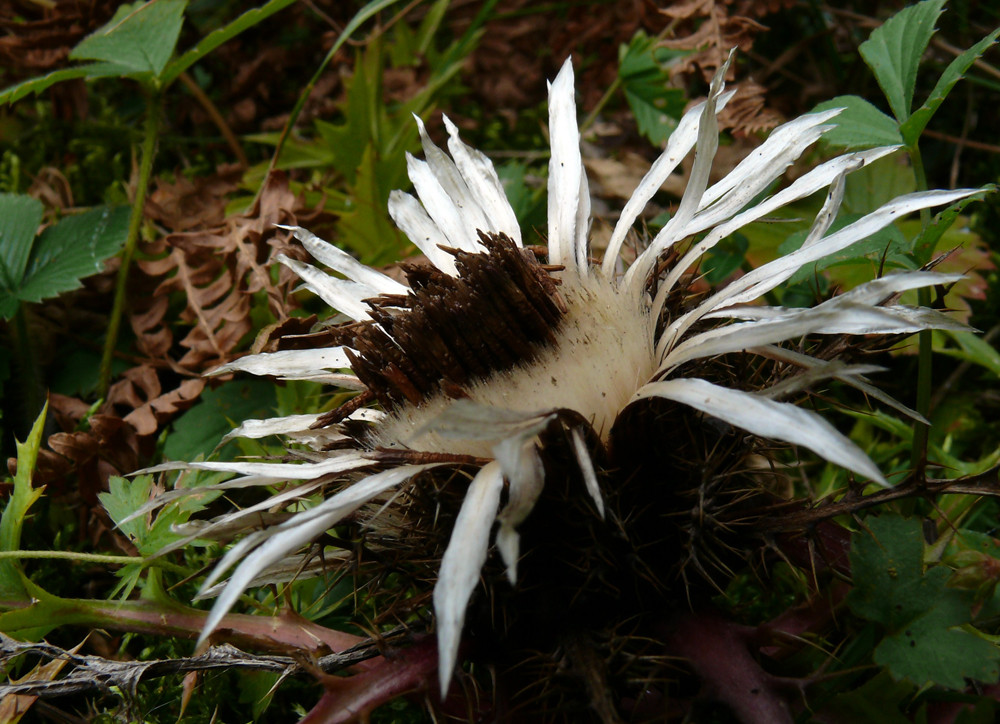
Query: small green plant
(35, 267)
(139, 44)
(893, 53)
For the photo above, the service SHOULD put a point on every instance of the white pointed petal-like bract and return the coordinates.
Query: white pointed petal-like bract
(761, 167)
(768, 419)
(878, 290)
(765, 278)
(893, 319)
(339, 260)
(783, 354)
(450, 214)
(256, 429)
(834, 369)
(565, 171)
(587, 469)
(288, 362)
(299, 530)
(522, 466)
(453, 182)
(469, 420)
(679, 144)
(482, 180)
(346, 460)
(462, 562)
(410, 216)
(804, 186)
(704, 153)
(816, 320)
(343, 295)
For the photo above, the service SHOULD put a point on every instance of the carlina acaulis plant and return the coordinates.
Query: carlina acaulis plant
(543, 454)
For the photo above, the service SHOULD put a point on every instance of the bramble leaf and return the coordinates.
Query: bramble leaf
(20, 217)
(73, 249)
(642, 69)
(894, 49)
(140, 39)
(860, 125)
(928, 639)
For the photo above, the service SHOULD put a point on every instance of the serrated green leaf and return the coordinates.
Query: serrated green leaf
(73, 249)
(916, 123)
(123, 498)
(921, 615)
(20, 217)
(894, 49)
(141, 38)
(859, 125)
(217, 37)
(12, 581)
(643, 69)
(150, 534)
(928, 651)
(37, 85)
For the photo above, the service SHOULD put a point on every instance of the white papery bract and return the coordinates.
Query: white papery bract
(605, 353)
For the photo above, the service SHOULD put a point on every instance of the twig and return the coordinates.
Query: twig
(97, 673)
(213, 113)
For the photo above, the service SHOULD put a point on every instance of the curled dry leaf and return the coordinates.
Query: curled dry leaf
(217, 270)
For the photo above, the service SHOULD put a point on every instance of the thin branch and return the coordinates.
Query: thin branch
(92, 673)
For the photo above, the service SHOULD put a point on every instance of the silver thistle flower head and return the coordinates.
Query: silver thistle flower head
(469, 362)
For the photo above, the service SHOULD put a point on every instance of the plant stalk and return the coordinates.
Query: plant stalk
(918, 453)
(150, 135)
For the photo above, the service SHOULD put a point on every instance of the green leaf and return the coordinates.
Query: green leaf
(916, 123)
(75, 248)
(925, 244)
(724, 258)
(149, 534)
(140, 38)
(888, 244)
(921, 615)
(643, 70)
(859, 125)
(973, 348)
(366, 227)
(216, 38)
(878, 700)
(20, 217)
(37, 85)
(894, 49)
(200, 429)
(12, 581)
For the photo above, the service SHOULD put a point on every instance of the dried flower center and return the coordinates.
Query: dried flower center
(501, 335)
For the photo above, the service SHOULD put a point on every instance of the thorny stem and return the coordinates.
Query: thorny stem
(94, 558)
(284, 632)
(153, 113)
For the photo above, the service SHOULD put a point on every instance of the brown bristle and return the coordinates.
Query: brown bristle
(451, 330)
